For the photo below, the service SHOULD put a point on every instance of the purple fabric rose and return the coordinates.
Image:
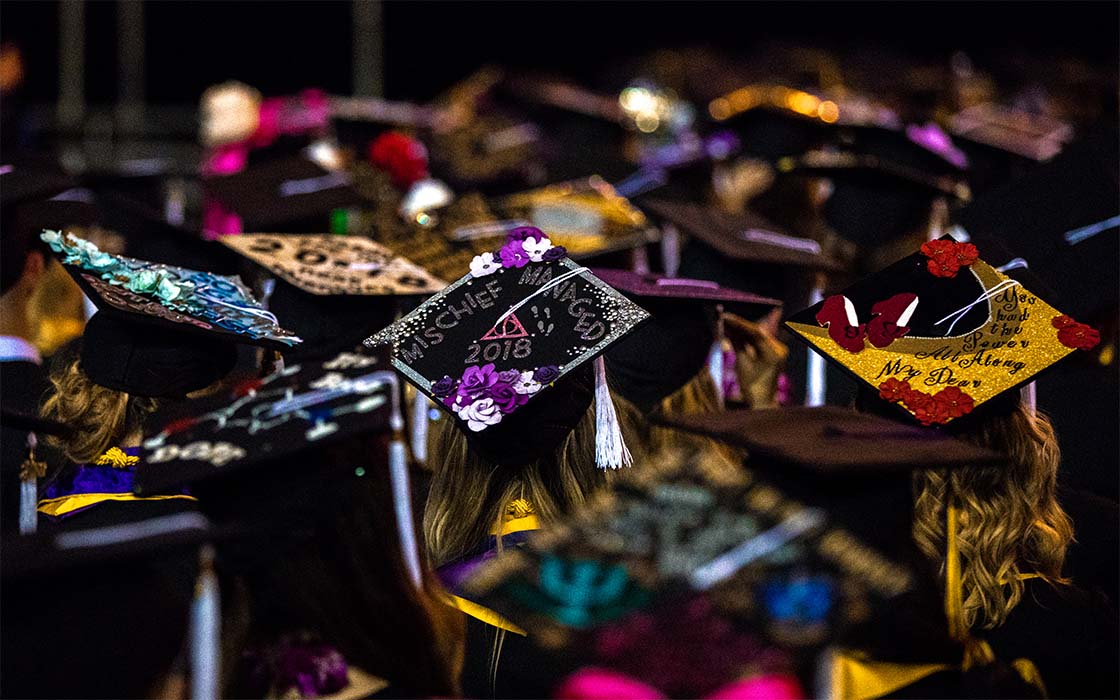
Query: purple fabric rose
(443, 387)
(513, 255)
(547, 374)
(476, 380)
(556, 252)
(522, 232)
(505, 396)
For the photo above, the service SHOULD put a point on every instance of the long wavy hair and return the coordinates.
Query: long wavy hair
(99, 418)
(1010, 521)
(469, 495)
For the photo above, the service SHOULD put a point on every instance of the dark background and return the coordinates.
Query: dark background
(282, 47)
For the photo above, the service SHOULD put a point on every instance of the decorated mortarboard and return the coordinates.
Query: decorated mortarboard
(744, 237)
(264, 438)
(940, 332)
(524, 317)
(168, 297)
(588, 217)
(260, 421)
(689, 538)
(286, 190)
(335, 265)
(681, 338)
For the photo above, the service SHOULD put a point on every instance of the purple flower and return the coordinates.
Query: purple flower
(509, 376)
(505, 396)
(513, 255)
(556, 252)
(547, 374)
(443, 387)
(476, 380)
(520, 233)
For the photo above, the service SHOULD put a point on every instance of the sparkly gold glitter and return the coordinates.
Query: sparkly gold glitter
(983, 363)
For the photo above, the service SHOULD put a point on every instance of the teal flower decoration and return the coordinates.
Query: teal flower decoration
(168, 291)
(145, 281)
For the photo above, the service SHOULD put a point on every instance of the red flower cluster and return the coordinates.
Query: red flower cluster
(1075, 335)
(403, 157)
(942, 407)
(948, 257)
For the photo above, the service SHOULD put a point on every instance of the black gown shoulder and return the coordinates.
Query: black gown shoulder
(1069, 634)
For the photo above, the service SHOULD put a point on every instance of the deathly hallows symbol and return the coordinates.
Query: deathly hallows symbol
(510, 327)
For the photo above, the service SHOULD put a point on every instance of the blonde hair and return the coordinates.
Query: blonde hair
(99, 418)
(1010, 522)
(469, 495)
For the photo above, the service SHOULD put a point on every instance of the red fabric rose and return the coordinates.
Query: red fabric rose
(965, 253)
(405, 159)
(894, 390)
(926, 410)
(1062, 321)
(1079, 336)
(953, 403)
(946, 258)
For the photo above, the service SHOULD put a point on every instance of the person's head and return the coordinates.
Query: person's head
(106, 390)
(330, 567)
(544, 453)
(1010, 521)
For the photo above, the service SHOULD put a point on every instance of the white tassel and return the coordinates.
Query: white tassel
(420, 428)
(206, 631)
(715, 359)
(610, 448)
(399, 483)
(670, 250)
(815, 371)
(29, 494)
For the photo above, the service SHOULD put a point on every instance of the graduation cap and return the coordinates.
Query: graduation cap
(260, 437)
(744, 237)
(775, 120)
(680, 338)
(940, 332)
(332, 288)
(588, 217)
(288, 192)
(163, 330)
(489, 346)
(59, 641)
(25, 191)
(690, 529)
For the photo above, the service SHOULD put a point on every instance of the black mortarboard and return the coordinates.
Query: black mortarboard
(775, 120)
(665, 354)
(262, 422)
(161, 330)
(59, 641)
(24, 194)
(829, 440)
(743, 237)
(285, 194)
(524, 317)
(273, 455)
(940, 332)
(332, 288)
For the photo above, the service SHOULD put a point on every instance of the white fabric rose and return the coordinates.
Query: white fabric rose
(330, 380)
(484, 264)
(480, 415)
(536, 248)
(526, 385)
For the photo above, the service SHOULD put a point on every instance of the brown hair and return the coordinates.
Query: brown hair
(99, 418)
(1010, 521)
(469, 495)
